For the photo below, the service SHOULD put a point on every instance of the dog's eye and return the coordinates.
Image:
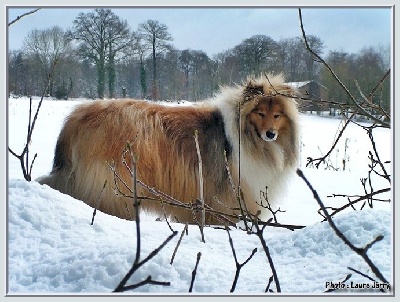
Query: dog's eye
(262, 114)
(277, 116)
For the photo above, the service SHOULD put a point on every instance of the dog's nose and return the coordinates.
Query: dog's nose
(270, 134)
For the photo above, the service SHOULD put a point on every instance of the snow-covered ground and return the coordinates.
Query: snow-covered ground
(52, 248)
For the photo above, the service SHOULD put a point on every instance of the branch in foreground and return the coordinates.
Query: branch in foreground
(164, 198)
(98, 202)
(238, 265)
(137, 263)
(267, 289)
(194, 272)
(148, 280)
(351, 203)
(121, 286)
(378, 160)
(360, 251)
(259, 232)
(323, 158)
(24, 156)
(23, 15)
(365, 276)
(185, 229)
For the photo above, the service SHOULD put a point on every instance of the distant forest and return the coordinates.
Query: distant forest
(101, 57)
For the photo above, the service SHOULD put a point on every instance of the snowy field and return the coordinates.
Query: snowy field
(53, 249)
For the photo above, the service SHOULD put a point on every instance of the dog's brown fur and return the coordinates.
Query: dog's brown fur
(162, 139)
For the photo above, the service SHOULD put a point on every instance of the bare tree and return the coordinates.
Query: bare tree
(19, 79)
(155, 34)
(228, 68)
(47, 48)
(119, 38)
(198, 70)
(256, 54)
(101, 35)
(202, 75)
(185, 60)
(141, 49)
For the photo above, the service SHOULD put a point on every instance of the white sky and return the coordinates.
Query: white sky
(215, 30)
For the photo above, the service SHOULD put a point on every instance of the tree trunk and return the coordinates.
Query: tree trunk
(154, 85)
(100, 78)
(143, 77)
(111, 76)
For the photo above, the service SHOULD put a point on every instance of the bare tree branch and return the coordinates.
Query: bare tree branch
(178, 243)
(259, 232)
(98, 202)
(267, 289)
(137, 263)
(365, 276)
(23, 15)
(238, 265)
(148, 280)
(24, 156)
(194, 272)
(351, 203)
(121, 286)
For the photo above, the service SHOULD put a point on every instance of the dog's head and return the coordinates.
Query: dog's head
(268, 107)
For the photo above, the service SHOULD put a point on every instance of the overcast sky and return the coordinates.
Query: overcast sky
(215, 30)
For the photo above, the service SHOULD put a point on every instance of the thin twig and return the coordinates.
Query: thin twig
(137, 263)
(238, 265)
(178, 243)
(267, 289)
(371, 138)
(351, 203)
(121, 286)
(371, 105)
(264, 195)
(135, 203)
(201, 180)
(98, 202)
(194, 272)
(365, 276)
(148, 280)
(24, 156)
(226, 218)
(323, 158)
(259, 232)
(23, 15)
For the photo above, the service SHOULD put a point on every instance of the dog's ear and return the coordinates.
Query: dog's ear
(251, 90)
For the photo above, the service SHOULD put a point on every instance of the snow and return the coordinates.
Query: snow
(298, 84)
(52, 247)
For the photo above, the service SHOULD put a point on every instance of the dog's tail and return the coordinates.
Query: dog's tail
(60, 175)
(52, 180)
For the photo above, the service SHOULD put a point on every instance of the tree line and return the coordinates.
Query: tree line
(100, 56)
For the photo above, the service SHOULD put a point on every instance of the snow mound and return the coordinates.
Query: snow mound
(53, 248)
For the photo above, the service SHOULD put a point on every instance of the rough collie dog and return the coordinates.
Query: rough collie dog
(254, 124)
